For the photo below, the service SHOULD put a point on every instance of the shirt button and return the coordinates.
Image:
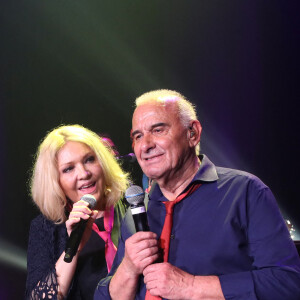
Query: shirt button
(172, 237)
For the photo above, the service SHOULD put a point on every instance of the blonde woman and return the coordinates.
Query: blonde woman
(71, 162)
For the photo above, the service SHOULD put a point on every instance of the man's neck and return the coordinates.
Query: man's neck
(177, 182)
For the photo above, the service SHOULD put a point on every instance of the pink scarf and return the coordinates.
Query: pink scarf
(110, 248)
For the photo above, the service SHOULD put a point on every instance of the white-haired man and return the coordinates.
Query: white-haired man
(223, 238)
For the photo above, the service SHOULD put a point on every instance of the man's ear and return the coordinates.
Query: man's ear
(132, 140)
(194, 133)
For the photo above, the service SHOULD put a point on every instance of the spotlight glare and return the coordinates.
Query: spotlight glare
(12, 255)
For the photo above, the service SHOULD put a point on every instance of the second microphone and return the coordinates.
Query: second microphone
(135, 197)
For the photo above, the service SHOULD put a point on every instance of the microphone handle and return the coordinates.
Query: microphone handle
(74, 240)
(140, 217)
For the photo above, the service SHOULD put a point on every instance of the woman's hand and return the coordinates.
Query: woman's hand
(80, 211)
(65, 271)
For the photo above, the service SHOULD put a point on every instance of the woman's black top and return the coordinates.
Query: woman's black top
(47, 242)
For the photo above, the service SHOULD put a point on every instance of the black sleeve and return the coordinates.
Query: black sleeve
(41, 259)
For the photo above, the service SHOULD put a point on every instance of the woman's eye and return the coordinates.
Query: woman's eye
(90, 159)
(67, 170)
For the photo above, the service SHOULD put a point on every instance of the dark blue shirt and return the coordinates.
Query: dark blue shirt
(230, 227)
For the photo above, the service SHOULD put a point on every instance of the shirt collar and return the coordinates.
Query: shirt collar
(207, 173)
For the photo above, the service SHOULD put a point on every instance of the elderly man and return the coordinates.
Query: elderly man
(222, 237)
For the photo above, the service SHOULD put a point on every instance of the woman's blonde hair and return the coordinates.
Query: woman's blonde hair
(44, 184)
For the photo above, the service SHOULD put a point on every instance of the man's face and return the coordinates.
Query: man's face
(160, 140)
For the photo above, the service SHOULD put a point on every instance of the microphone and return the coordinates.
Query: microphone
(76, 234)
(135, 197)
(130, 157)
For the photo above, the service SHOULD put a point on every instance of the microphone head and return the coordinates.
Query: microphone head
(134, 195)
(130, 157)
(89, 199)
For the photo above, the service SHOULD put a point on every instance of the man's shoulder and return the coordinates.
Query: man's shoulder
(239, 177)
(229, 172)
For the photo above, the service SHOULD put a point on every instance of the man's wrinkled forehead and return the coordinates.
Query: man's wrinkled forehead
(146, 114)
(165, 109)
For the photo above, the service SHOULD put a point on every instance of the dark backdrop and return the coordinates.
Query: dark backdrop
(86, 61)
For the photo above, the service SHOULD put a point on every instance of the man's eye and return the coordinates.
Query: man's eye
(137, 137)
(158, 130)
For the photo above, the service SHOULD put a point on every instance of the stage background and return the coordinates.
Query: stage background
(86, 61)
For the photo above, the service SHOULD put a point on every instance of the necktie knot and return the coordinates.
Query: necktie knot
(169, 207)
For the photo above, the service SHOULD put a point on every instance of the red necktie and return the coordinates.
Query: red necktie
(110, 248)
(164, 240)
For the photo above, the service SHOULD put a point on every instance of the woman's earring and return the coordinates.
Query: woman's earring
(107, 190)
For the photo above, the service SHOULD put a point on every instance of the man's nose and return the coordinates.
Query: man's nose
(147, 143)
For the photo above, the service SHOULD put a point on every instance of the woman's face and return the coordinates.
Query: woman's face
(80, 173)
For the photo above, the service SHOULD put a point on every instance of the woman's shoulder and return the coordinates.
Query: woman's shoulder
(41, 220)
(41, 223)
(46, 233)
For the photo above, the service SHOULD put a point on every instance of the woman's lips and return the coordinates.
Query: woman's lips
(88, 188)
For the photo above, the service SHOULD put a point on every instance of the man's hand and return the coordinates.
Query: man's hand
(141, 250)
(167, 281)
(170, 282)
